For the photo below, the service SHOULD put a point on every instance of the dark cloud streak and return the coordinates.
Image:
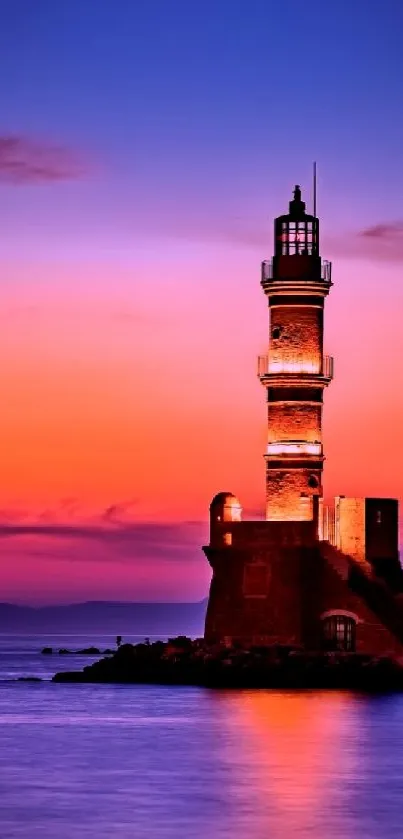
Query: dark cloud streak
(27, 161)
(128, 540)
(385, 232)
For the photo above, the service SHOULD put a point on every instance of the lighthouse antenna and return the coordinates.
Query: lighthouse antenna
(314, 189)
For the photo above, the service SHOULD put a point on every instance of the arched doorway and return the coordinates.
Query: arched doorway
(338, 633)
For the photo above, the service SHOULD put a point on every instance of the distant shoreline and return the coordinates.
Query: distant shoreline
(130, 619)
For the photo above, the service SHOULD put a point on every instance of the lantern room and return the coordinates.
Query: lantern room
(296, 237)
(296, 234)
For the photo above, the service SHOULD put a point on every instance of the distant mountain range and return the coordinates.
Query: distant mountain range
(162, 619)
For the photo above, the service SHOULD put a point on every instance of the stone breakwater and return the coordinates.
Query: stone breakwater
(183, 661)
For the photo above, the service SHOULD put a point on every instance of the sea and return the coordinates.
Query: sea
(150, 762)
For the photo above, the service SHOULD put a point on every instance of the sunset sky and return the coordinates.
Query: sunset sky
(145, 148)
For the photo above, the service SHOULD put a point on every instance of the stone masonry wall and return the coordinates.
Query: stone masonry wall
(350, 526)
(295, 421)
(324, 591)
(300, 332)
(284, 489)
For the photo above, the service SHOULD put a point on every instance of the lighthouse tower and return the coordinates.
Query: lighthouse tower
(295, 372)
(321, 579)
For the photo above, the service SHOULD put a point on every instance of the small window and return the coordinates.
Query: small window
(379, 517)
(339, 633)
(227, 537)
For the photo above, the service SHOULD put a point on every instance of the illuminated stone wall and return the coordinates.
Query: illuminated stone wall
(294, 411)
(294, 421)
(350, 526)
(289, 494)
(296, 332)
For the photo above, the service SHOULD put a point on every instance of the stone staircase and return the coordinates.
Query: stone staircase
(339, 561)
(376, 594)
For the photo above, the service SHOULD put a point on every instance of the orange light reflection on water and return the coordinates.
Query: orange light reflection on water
(297, 752)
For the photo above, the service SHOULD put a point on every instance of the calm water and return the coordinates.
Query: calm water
(111, 762)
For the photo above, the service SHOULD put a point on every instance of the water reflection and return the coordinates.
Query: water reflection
(296, 756)
(146, 762)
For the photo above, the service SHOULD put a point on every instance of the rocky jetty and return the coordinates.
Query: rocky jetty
(29, 679)
(182, 661)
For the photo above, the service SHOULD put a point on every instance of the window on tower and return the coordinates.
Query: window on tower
(298, 237)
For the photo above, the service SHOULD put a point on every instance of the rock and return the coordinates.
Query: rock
(88, 651)
(47, 651)
(29, 679)
(74, 676)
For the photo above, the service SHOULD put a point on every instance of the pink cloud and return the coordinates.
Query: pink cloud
(25, 161)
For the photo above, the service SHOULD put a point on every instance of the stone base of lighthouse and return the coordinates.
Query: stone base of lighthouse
(276, 582)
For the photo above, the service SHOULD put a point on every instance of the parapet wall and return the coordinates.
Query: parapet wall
(262, 534)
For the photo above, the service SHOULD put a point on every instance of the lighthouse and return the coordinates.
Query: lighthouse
(307, 576)
(295, 370)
